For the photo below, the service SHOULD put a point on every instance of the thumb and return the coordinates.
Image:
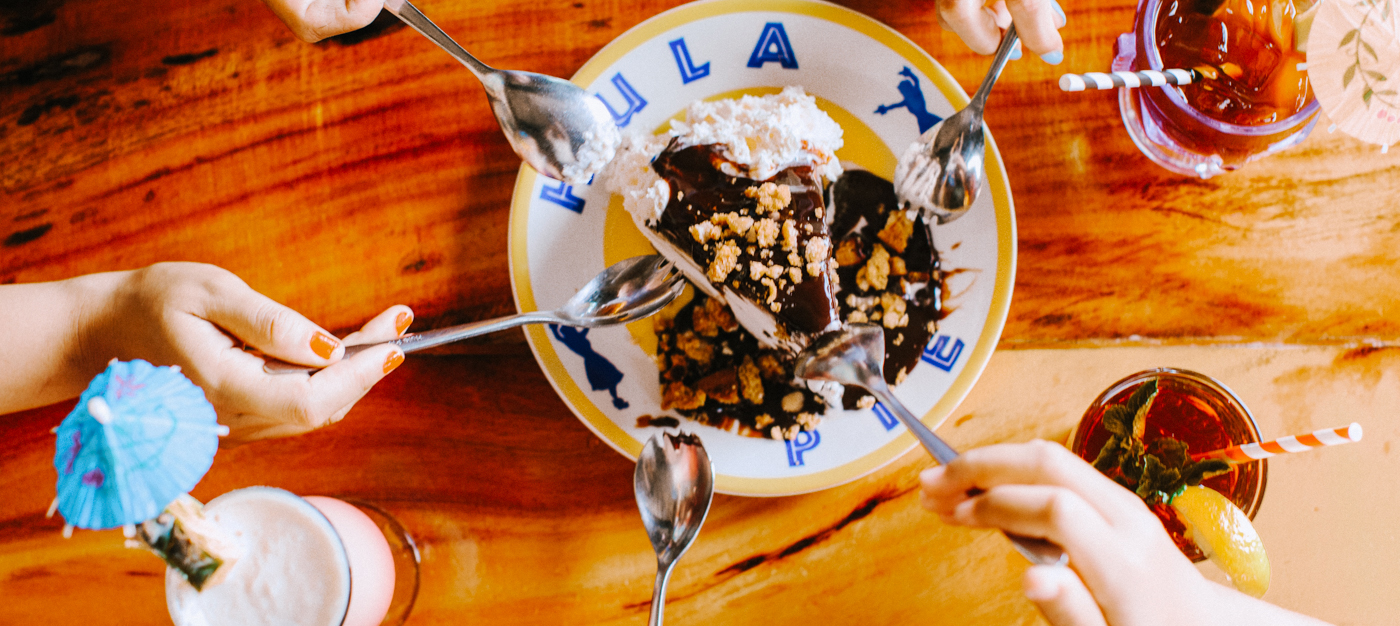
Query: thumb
(336, 389)
(1062, 596)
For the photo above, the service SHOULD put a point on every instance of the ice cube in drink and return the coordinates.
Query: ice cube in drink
(1246, 48)
(1254, 102)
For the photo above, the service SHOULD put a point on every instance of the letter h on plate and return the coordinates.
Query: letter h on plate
(562, 194)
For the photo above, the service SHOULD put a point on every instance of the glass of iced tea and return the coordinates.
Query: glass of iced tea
(1253, 101)
(1196, 410)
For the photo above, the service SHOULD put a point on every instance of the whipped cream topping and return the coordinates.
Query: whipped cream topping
(760, 135)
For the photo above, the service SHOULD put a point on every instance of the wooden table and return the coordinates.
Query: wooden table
(348, 175)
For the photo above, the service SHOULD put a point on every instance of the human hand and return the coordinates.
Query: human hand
(200, 317)
(314, 20)
(1124, 569)
(979, 23)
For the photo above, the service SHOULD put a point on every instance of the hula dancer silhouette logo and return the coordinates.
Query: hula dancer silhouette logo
(602, 374)
(913, 101)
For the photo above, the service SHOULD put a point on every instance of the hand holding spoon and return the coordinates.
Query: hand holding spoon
(941, 173)
(674, 483)
(551, 123)
(628, 290)
(856, 356)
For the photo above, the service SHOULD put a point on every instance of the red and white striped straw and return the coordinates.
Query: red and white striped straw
(1143, 78)
(1297, 443)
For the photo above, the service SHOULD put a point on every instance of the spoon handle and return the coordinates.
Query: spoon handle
(935, 445)
(658, 594)
(414, 342)
(1038, 551)
(404, 10)
(1008, 43)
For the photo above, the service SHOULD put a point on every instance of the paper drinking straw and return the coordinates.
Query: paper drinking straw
(1298, 443)
(1143, 78)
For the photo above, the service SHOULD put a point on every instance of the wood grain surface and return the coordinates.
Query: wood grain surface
(349, 175)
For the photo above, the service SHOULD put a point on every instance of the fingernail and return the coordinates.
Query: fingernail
(394, 360)
(1053, 58)
(323, 345)
(1041, 588)
(402, 321)
(962, 513)
(1060, 12)
(1015, 52)
(932, 474)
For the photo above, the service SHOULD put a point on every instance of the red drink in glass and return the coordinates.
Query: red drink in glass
(1192, 408)
(1258, 102)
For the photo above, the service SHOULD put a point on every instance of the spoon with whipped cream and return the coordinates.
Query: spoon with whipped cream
(941, 173)
(551, 123)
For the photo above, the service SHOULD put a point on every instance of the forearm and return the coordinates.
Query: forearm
(1237, 609)
(45, 338)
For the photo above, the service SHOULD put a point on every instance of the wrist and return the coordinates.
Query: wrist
(96, 303)
(47, 342)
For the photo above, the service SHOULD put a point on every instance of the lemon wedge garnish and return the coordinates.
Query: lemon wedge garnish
(1224, 534)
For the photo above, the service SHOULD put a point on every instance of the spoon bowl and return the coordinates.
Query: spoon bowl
(941, 174)
(856, 356)
(626, 291)
(551, 123)
(674, 484)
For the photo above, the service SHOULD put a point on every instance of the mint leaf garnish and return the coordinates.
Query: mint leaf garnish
(1156, 473)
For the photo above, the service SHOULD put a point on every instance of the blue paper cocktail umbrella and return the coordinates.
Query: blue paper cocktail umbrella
(140, 437)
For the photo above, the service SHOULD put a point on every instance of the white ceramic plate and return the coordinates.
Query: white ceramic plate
(561, 235)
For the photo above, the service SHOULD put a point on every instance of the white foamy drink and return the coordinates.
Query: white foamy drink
(292, 570)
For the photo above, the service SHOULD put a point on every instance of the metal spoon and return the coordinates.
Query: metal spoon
(628, 290)
(856, 356)
(941, 173)
(674, 483)
(551, 123)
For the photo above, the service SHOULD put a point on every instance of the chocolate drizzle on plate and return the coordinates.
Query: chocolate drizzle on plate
(904, 292)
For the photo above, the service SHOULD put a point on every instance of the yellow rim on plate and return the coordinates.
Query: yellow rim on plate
(981, 352)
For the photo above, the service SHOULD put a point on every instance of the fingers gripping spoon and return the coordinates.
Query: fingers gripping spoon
(856, 356)
(626, 291)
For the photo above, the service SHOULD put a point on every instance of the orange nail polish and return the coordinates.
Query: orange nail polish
(323, 345)
(393, 361)
(402, 321)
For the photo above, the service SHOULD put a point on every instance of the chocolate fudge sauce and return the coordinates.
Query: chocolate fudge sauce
(701, 191)
(710, 388)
